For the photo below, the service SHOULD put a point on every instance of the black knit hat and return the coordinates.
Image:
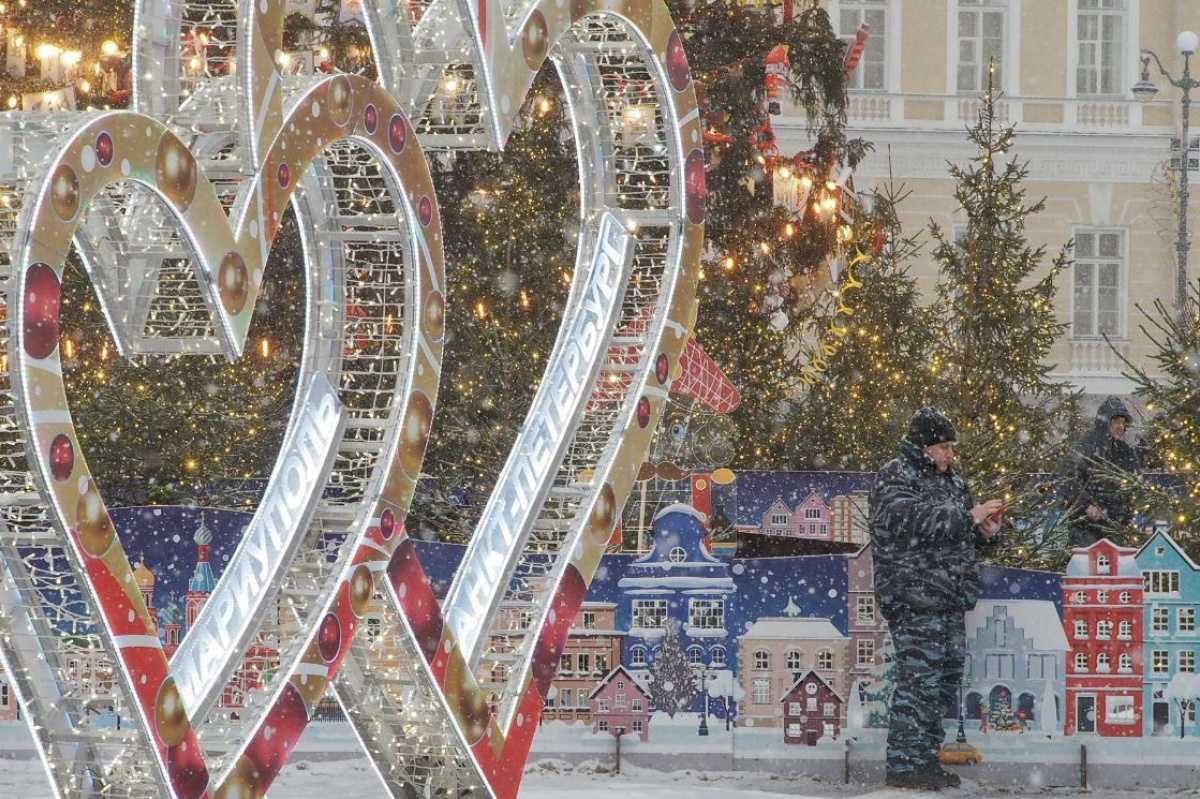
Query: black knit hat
(930, 426)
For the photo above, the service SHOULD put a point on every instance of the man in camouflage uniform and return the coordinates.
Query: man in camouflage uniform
(1097, 466)
(925, 528)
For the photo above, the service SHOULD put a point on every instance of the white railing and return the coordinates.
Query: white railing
(1097, 356)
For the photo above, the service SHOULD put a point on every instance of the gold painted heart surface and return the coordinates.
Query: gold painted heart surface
(129, 147)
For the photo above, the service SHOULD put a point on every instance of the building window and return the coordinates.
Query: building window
(980, 43)
(1125, 597)
(1042, 667)
(706, 614)
(526, 620)
(1102, 597)
(677, 555)
(812, 514)
(1081, 629)
(1160, 620)
(830, 709)
(762, 659)
(551, 698)
(637, 706)
(717, 656)
(1100, 30)
(825, 660)
(601, 663)
(870, 75)
(619, 700)
(865, 654)
(810, 704)
(1103, 662)
(695, 656)
(1079, 597)
(1160, 661)
(866, 609)
(795, 709)
(794, 730)
(1102, 564)
(762, 691)
(793, 659)
(1119, 709)
(998, 666)
(602, 706)
(1125, 663)
(4, 695)
(1081, 661)
(1187, 660)
(1104, 629)
(1125, 630)
(649, 614)
(585, 664)
(637, 656)
(637, 725)
(779, 520)
(1099, 264)
(589, 620)
(566, 698)
(564, 664)
(1186, 620)
(1161, 581)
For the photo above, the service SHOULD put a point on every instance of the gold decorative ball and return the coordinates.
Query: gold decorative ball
(96, 530)
(234, 281)
(467, 703)
(362, 586)
(435, 315)
(64, 192)
(535, 42)
(604, 514)
(414, 435)
(341, 100)
(170, 716)
(175, 172)
(242, 782)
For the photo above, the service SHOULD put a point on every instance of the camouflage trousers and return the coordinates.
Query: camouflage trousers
(930, 649)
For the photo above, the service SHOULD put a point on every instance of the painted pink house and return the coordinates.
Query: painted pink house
(811, 519)
(619, 702)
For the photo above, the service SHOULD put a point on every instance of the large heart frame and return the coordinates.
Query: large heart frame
(439, 660)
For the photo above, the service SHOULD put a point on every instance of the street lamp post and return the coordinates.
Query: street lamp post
(1144, 90)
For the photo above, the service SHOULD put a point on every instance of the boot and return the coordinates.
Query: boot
(925, 780)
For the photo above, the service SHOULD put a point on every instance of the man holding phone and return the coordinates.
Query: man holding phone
(925, 528)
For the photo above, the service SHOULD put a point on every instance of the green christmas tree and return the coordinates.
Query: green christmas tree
(878, 693)
(996, 312)
(854, 415)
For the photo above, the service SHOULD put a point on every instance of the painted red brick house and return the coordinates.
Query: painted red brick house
(620, 702)
(1102, 616)
(812, 710)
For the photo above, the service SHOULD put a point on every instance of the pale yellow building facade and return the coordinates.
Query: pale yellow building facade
(1098, 156)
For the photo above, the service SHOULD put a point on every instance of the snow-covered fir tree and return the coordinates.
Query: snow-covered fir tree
(672, 681)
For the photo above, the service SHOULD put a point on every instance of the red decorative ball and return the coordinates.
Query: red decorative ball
(284, 176)
(397, 133)
(387, 524)
(643, 412)
(695, 187)
(43, 296)
(425, 211)
(678, 70)
(416, 598)
(189, 774)
(105, 149)
(62, 457)
(329, 637)
(662, 368)
(371, 118)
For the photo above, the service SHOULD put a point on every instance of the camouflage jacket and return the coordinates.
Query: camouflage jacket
(923, 538)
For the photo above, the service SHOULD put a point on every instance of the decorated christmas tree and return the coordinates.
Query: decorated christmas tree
(878, 693)
(990, 367)
(673, 683)
(854, 416)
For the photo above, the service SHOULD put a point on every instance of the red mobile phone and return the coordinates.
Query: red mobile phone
(995, 517)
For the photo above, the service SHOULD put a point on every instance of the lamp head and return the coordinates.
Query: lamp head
(1187, 42)
(1144, 90)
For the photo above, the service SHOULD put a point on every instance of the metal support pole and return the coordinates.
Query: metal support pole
(1182, 245)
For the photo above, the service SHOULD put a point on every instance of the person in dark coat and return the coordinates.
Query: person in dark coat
(925, 528)
(1097, 505)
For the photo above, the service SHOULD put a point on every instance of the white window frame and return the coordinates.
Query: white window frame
(1119, 710)
(1081, 628)
(762, 690)
(1081, 661)
(866, 609)
(890, 36)
(1187, 661)
(1125, 663)
(825, 660)
(762, 659)
(1125, 630)
(677, 555)
(1155, 580)
(1120, 65)
(779, 520)
(1010, 71)
(602, 725)
(1129, 55)
(637, 726)
(1094, 262)
(655, 609)
(716, 656)
(1104, 629)
(637, 656)
(793, 659)
(1160, 620)
(1160, 661)
(1185, 620)
(865, 652)
(706, 614)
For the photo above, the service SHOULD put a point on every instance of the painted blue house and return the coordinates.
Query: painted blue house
(1172, 597)
(679, 581)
